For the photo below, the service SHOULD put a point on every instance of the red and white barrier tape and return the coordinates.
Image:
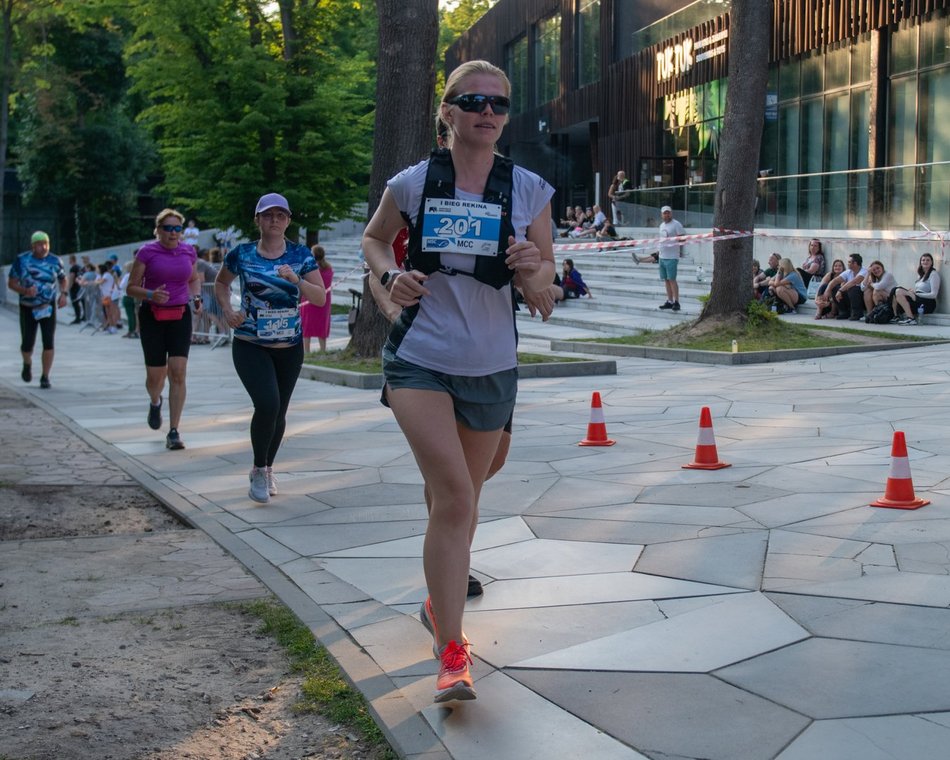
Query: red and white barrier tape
(716, 234)
(943, 238)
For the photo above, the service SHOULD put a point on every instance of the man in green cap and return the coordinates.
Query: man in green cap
(38, 276)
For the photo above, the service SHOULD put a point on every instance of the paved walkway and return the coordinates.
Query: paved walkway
(632, 608)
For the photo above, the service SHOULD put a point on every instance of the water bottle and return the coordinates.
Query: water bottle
(700, 274)
(920, 314)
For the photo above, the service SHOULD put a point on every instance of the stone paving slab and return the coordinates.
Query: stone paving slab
(823, 620)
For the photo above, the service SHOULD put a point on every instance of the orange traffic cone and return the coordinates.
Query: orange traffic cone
(597, 428)
(899, 492)
(706, 456)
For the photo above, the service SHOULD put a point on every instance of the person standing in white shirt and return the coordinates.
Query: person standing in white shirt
(669, 258)
(191, 233)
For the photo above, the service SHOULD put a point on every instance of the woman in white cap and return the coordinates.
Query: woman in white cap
(267, 349)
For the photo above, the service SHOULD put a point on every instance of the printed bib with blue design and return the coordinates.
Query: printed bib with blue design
(457, 226)
(277, 324)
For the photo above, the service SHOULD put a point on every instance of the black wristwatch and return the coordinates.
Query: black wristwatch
(388, 277)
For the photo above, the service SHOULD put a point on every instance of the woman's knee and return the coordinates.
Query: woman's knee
(177, 370)
(453, 512)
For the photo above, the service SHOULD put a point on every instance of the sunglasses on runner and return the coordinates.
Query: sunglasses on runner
(473, 103)
(171, 227)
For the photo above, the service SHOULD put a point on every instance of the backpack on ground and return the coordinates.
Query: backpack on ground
(881, 314)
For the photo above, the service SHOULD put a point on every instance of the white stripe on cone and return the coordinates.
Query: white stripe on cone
(900, 469)
(706, 437)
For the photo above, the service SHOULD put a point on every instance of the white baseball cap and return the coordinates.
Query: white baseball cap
(665, 209)
(272, 200)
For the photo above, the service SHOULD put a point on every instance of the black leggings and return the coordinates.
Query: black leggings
(28, 326)
(269, 376)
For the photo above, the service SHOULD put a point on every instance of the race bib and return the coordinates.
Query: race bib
(43, 312)
(456, 226)
(277, 324)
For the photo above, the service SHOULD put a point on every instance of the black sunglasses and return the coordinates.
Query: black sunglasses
(171, 227)
(473, 103)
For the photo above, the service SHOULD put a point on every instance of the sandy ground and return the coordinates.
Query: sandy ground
(118, 636)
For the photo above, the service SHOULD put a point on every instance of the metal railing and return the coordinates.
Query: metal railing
(893, 198)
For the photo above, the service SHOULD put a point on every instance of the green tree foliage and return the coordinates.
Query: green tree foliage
(76, 145)
(454, 19)
(245, 97)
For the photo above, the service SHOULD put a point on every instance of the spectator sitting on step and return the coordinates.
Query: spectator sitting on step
(572, 283)
(758, 278)
(925, 293)
(846, 289)
(814, 265)
(788, 287)
(828, 307)
(769, 273)
(607, 231)
(588, 226)
(569, 221)
(877, 286)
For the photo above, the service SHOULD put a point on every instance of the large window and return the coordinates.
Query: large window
(587, 37)
(692, 124)
(822, 122)
(547, 59)
(919, 123)
(516, 67)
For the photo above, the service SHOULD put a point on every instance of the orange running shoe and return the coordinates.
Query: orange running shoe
(427, 616)
(455, 681)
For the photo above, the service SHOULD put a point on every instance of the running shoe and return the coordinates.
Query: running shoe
(27, 373)
(155, 415)
(427, 616)
(271, 481)
(908, 321)
(44, 382)
(455, 680)
(667, 305)
(258, 490)
(675, 306)
(173, 440)
(474, 587)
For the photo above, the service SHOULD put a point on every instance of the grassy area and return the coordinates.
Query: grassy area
(766, 333)
(342, 360)
(324, 689)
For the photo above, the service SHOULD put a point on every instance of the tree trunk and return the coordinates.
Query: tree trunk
(6, 80)
(404, 126)
(287, 28)
(737, 181)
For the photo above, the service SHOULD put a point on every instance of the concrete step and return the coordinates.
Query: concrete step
(626, 296)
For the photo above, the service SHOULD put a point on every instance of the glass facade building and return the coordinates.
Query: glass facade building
(857, 109)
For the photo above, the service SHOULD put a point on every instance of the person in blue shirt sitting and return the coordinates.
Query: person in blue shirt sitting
(571, 281)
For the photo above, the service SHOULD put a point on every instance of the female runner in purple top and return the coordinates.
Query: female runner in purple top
(165, 277)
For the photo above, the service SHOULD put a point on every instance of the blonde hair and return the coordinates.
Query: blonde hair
(453, 88)
(786, 266)
(165, 212)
